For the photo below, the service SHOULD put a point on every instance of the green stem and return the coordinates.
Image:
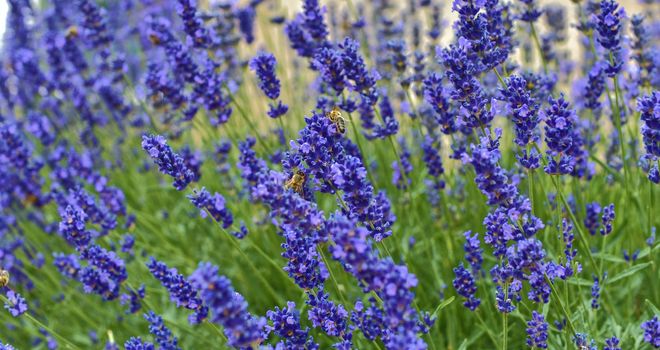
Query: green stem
(538, 46)
(418, 121)
(530, 183)
(27, 315)
(247, 120)
(332, 276)
(576, 223)
(247, 259)
(362, 154)
(505, 322)
(486, 327)
(281, 124)
(566, 314)
(499, 77)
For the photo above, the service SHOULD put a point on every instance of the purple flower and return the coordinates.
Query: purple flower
(537, 331)
(473, 251)
(491, 179)
(94, 23)
(432, 157)
(163, 336)
(181, 290)
(642, 52)
(192, 24)
(221, 156)
(651, 240)
(391, 282)
(592, 217)
(135, 343)
(300, 39)
(127, 243)
(649, 108)
(350, 176)
(179, 56)
(16, 303)
(581, 341)
(330, 317)
(313, 20)
(523, 108)
(72, 227)
(329, 63)
(303, 261)
(436, 23)
(434, 95)
(529, 161)
(286, 325)
(246, 16)
(608, 23)
(276, 110)
(466, 287)
(168, 162)
(242, 232)
(595, 293)
(6, 346)
(133, 299)
(227, 307)
(398, 178)
(263, 64)
(630, 257)
(651, 330)
(192, 160)
(212, 205)
(390, 125)
(249, 164)
(358, 77)
(612, 344)
(397, 54)
(568, 237)
(607, 219)
(503, 301)
(531, 12)
(67, 265)
(370, 320)
(595, 87)
(105, 273)
(497, 40)
(462, 67)
(560, 136)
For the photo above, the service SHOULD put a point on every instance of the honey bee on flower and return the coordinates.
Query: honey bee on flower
(336, 118)
(4, 278)
(297, 182)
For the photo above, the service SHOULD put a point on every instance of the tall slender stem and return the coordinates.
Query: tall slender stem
(539, 47)
(362, 154)
(27, 315)
(247, 120)
(563, 309)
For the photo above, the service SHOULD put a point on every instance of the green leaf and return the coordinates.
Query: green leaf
(466, 342)
(653, 307)
(464, 345)
(442, 305)
(610, 258)
(646, 251)
(628, 272)
(579, 282)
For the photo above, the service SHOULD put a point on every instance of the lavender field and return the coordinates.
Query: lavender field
(340, 174)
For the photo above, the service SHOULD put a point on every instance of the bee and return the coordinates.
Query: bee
(4, 278)
(154, 39)
(72, 32)
(296, 182)
(30, 199)
(335, 117)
